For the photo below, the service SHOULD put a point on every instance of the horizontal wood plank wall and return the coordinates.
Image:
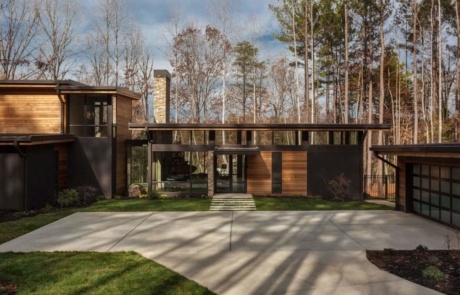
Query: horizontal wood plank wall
(28, 113)
(63, 163)
(294, 173)
(123, 114)
(259, 174)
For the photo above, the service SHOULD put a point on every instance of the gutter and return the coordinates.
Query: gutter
(58, 93)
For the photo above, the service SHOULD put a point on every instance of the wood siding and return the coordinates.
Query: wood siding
(123, 113)
(28, 113)
(259, 178)
(295, 173)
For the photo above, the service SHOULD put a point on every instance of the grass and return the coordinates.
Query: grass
(12, 229)
(92, 273)
(305, 204)
(140, 205)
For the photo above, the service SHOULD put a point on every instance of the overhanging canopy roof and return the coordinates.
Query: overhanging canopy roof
(256, 127)
(237, 151)
(417, 148)
(35, 139)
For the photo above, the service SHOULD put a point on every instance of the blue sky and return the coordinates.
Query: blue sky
(252, 20)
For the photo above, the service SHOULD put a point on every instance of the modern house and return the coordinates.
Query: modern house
(262, 159)
(61, 134)
(427, 179)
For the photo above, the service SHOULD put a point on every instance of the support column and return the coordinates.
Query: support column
(211, 168)
(149, 168)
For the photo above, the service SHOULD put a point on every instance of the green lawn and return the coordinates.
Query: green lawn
(15, 228)
(139, 205)
(305, 204)
(91, 273)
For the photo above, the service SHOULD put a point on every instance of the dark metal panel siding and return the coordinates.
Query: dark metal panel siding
(11, 180)
(328, 162)
(42, 176)
(90, 163)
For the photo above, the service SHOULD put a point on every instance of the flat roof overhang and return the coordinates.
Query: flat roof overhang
(35, 139)
(255, 127)
(248, 151)
(417, 148)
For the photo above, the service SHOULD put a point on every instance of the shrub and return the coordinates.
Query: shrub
(434, 273)
(68, 198)
(421, 248)
(154, 195)
(87, 194)
(339, 186)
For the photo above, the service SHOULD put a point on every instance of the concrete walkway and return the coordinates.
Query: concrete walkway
(252, 252)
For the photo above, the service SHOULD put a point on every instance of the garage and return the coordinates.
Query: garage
(428, 179)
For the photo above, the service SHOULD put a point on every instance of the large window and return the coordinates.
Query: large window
(88, 115)
(436, 192)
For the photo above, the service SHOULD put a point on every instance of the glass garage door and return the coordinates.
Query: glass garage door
(436, 192)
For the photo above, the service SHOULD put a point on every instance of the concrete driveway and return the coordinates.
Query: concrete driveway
(311, 252)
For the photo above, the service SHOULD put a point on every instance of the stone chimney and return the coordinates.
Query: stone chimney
(161, 96)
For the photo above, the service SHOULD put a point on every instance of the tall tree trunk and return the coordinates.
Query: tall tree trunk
(307, 72)
(440, 104)
(457, 90)
(414, 76)
(346, 62)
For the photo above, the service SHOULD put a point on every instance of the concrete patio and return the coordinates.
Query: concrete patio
(315, 252)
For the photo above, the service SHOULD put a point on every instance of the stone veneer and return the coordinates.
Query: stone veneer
(161, 95)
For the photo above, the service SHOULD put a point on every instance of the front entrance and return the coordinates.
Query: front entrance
(230, 172)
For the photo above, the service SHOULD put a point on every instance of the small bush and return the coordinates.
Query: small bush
(389, 251)
(154, 195)
(339, 187)
(46, 208)
(68, 198)
(421, 248)
(87, 194)
(434, 273)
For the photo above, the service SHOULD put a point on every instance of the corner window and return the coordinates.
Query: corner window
(88, 115)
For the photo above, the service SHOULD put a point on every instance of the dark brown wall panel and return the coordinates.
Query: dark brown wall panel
(123, 117)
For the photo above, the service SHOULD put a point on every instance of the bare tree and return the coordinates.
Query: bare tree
(57, 48)
(18, 26)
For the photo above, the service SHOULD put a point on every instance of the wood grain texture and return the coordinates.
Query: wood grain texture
(259, 174)
(294, 173)
(30, 113)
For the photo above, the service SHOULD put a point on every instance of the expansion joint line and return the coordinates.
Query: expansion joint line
(345, 233)
(231, 230)
(128, 233)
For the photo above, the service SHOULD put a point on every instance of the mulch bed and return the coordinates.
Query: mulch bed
(7, 288)
(409, 264)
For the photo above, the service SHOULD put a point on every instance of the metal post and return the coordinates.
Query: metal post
(149, 168)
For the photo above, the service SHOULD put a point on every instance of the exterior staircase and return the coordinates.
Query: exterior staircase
(233, 202)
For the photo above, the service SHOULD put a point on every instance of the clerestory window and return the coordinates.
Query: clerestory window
(88, 115)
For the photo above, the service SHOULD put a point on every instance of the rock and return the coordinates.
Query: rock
(134, 191)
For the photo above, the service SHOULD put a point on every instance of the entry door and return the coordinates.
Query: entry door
(230, 174)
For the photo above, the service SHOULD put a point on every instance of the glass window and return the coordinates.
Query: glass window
(434, 199)
(456, 204)
(445, 187)
(425, 196)
(445, 216)
(425, 209)
(426, 170)
(416, 181)
(434, 171)
(445, 201)
(88, 115)
(445, 172)
(426, 183)
(435, 185)
(277, 187)
(456, 189)
(456, 219)
(434, 212)
(416, 169)
(456, 173)
(416, 206)
(416, 194)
